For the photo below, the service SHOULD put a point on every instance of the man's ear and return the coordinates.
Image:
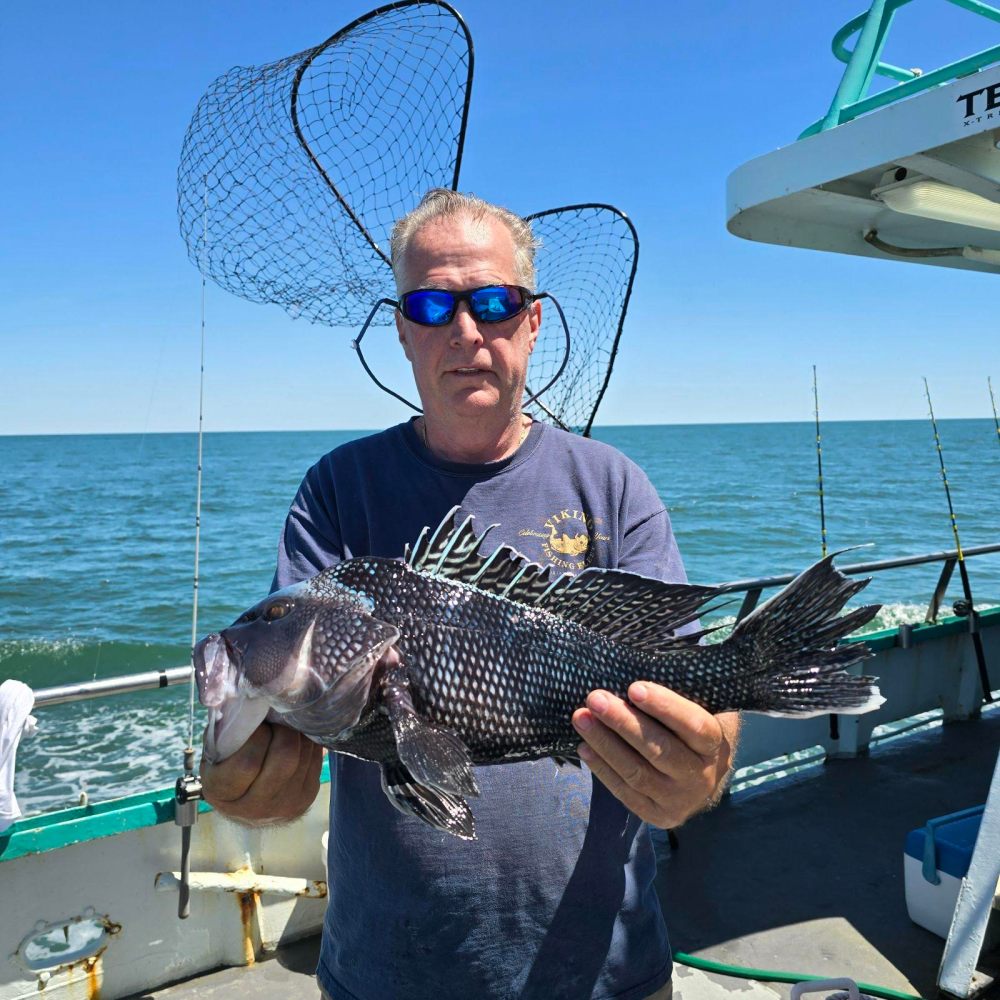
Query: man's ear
(401, 333)
(535, 320)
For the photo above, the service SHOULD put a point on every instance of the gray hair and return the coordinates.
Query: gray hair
(441, 203)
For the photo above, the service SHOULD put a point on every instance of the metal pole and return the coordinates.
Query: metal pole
(864, 59)
(148, 681)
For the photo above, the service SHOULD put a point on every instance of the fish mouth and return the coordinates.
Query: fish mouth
(236, 709)
(232, 714)
(216, 666)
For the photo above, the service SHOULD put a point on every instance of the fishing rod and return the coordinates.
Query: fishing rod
(819, 464)
(993, 402)
(977, 641)
(187, 791)
(834, 718)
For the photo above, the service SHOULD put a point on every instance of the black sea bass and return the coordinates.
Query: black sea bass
(450, 658)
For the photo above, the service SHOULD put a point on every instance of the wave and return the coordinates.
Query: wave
(47, 662)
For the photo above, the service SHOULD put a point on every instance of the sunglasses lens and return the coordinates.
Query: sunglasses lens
(429, 306)
(496, 303)
(436, 307)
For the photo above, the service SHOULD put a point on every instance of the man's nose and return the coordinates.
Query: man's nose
(464, 326)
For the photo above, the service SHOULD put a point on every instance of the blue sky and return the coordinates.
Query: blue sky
(648, 105)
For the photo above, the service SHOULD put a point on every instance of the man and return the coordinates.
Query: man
(555, 898)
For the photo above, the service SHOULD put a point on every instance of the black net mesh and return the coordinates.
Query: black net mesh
(587, 261)
(292, 174)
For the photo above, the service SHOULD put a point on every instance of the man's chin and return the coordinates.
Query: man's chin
(476, 400)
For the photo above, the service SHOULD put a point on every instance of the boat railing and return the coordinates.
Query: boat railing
(752, 589)
(864, 63)
(949, 559)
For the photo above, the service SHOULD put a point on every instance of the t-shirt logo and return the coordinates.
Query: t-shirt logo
(568, 545)
(567, 539)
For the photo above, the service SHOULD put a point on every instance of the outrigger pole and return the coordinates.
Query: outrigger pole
(977, 641)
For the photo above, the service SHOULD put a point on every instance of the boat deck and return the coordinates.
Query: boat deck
(803, 875)
(807, 875)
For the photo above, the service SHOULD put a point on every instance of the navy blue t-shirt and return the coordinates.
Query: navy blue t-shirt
(555, 899)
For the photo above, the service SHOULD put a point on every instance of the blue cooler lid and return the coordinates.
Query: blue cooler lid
(945, 844)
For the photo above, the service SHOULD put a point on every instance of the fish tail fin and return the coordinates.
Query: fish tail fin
(788, 646)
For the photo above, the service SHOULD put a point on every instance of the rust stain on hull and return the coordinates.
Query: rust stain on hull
(92, 968)
(93, 976)
(248, 903)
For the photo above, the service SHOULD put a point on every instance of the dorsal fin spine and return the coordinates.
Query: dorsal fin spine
(418, 546)
(490, 559)
(548, 590)
(524, 569)
(450, 544)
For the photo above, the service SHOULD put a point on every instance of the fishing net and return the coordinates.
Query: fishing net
(292, 175)
(587, 262)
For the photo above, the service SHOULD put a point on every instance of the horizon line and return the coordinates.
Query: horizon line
(376, 430)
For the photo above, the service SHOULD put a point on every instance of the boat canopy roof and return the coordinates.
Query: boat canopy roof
(909, 173)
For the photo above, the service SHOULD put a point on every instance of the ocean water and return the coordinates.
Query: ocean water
(97, 550)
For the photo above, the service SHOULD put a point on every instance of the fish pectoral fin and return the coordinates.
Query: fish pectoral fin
(434, 756)
(443, 811)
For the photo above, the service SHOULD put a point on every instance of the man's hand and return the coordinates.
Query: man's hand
(663, 756)
(272, 778)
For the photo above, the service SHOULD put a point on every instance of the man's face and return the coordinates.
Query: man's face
(466, 368)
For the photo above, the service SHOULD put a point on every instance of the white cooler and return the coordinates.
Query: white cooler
(935, 860)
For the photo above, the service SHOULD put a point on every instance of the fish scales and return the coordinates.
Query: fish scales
(507, 678)
(451, 658)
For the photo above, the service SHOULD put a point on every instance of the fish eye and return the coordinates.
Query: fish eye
(275, 611)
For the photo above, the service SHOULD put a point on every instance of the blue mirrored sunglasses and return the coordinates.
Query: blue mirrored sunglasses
(489, 304)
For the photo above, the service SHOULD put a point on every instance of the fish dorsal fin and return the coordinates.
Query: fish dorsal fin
(449, 551)
(631, 609)
(452, 552)
(634, 610)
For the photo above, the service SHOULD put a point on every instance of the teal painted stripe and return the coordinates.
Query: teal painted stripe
(55, 830)
(952, 625)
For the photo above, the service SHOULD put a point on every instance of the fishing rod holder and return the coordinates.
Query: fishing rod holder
(187, 795)
(905, 639)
